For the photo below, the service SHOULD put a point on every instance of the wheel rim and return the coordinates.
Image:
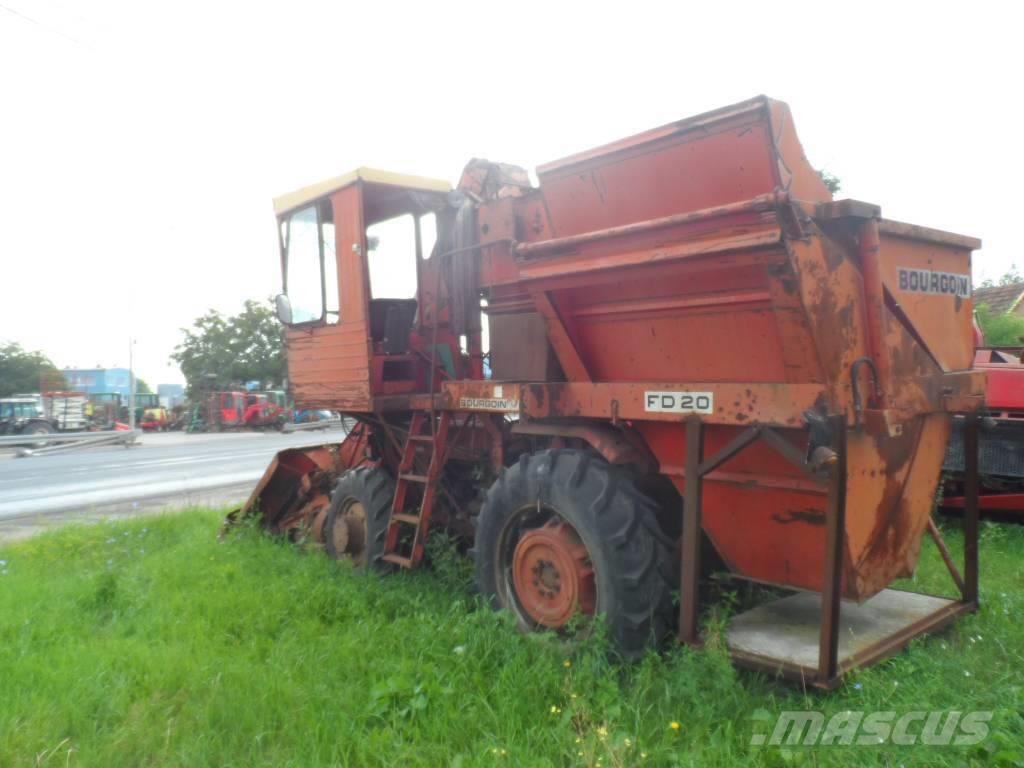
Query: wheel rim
(348, 535)
(551, 575)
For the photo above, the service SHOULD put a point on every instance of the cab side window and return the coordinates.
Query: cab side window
(303, 273)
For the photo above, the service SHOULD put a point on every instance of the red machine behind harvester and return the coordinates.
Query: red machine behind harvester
(687, 338)
(241, 410)
(1001, 443)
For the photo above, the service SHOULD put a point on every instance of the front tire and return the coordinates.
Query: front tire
(563, 532)
(357, 522)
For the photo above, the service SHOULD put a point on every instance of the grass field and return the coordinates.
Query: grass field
(151, 643)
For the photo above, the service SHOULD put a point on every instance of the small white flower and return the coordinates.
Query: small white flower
(3, 563)
(458, 650)
(966, 673)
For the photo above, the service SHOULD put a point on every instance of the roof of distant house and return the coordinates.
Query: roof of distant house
(999, 298)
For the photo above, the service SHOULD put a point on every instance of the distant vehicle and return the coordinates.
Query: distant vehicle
(103, 409)
(232, 410)
(311, 414)
(276, 396)
(155, 420)
(22, 416)
(142, 402)
(260, 412)
(66, 410)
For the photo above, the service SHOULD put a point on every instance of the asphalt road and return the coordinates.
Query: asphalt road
(164, 470)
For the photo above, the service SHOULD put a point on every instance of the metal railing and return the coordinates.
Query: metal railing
(309, 426)
(56, 442)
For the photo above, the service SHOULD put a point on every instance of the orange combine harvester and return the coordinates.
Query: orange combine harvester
(675, 336)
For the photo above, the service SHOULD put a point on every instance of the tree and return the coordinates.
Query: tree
(1010, 277)
(23, 371)
(1000, 330)
(831, 181)
(141, 387)
(219, 350)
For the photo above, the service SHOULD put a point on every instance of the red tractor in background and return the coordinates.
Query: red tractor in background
(1001, 442)
(261, 412)
(241, 410)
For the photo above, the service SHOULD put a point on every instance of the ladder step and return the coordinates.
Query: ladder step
(414, 478)
(405, 562)
(404, 517)
(422, 438)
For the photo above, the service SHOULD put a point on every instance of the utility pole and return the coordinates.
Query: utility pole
(131, 383)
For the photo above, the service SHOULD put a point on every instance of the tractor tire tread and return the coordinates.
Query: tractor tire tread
(617, 523)
(374, 488)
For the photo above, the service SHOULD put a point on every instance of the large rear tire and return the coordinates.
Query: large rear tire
(357, 522)
(563, 532)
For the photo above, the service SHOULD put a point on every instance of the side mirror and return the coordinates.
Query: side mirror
(283, 305)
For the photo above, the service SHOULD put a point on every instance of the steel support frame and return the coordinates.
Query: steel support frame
(830, 669)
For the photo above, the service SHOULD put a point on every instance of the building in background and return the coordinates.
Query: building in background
(93, 381)
(171, 395)
(1001, 299)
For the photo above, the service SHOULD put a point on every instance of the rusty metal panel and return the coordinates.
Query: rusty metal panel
(329, 364)
(705, 161)
(885, 545)
(731, 403)
(520, 350)
(929, 278)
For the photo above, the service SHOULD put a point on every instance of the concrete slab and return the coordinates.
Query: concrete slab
(788, 629)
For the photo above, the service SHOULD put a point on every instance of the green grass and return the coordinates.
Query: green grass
(151, 643)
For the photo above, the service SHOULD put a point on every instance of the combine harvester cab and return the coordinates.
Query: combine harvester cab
(689, 302)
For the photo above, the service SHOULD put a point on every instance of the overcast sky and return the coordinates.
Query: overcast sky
(141, 142)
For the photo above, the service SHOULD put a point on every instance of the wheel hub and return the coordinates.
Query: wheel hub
(349, 532)
(552, 574)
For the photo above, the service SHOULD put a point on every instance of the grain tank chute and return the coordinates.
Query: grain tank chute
(687, 337)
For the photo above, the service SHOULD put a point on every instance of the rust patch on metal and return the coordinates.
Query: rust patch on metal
(810, 516)
(537, 393)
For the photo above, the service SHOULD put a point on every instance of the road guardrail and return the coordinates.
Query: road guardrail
(57, 442)
(309, 426)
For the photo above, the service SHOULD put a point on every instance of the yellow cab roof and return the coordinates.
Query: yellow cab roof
(301, 197)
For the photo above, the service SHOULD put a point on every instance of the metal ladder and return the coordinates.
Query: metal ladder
(404, 514)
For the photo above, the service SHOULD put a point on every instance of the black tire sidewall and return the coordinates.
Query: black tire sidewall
(373, 488)
(632, 560)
